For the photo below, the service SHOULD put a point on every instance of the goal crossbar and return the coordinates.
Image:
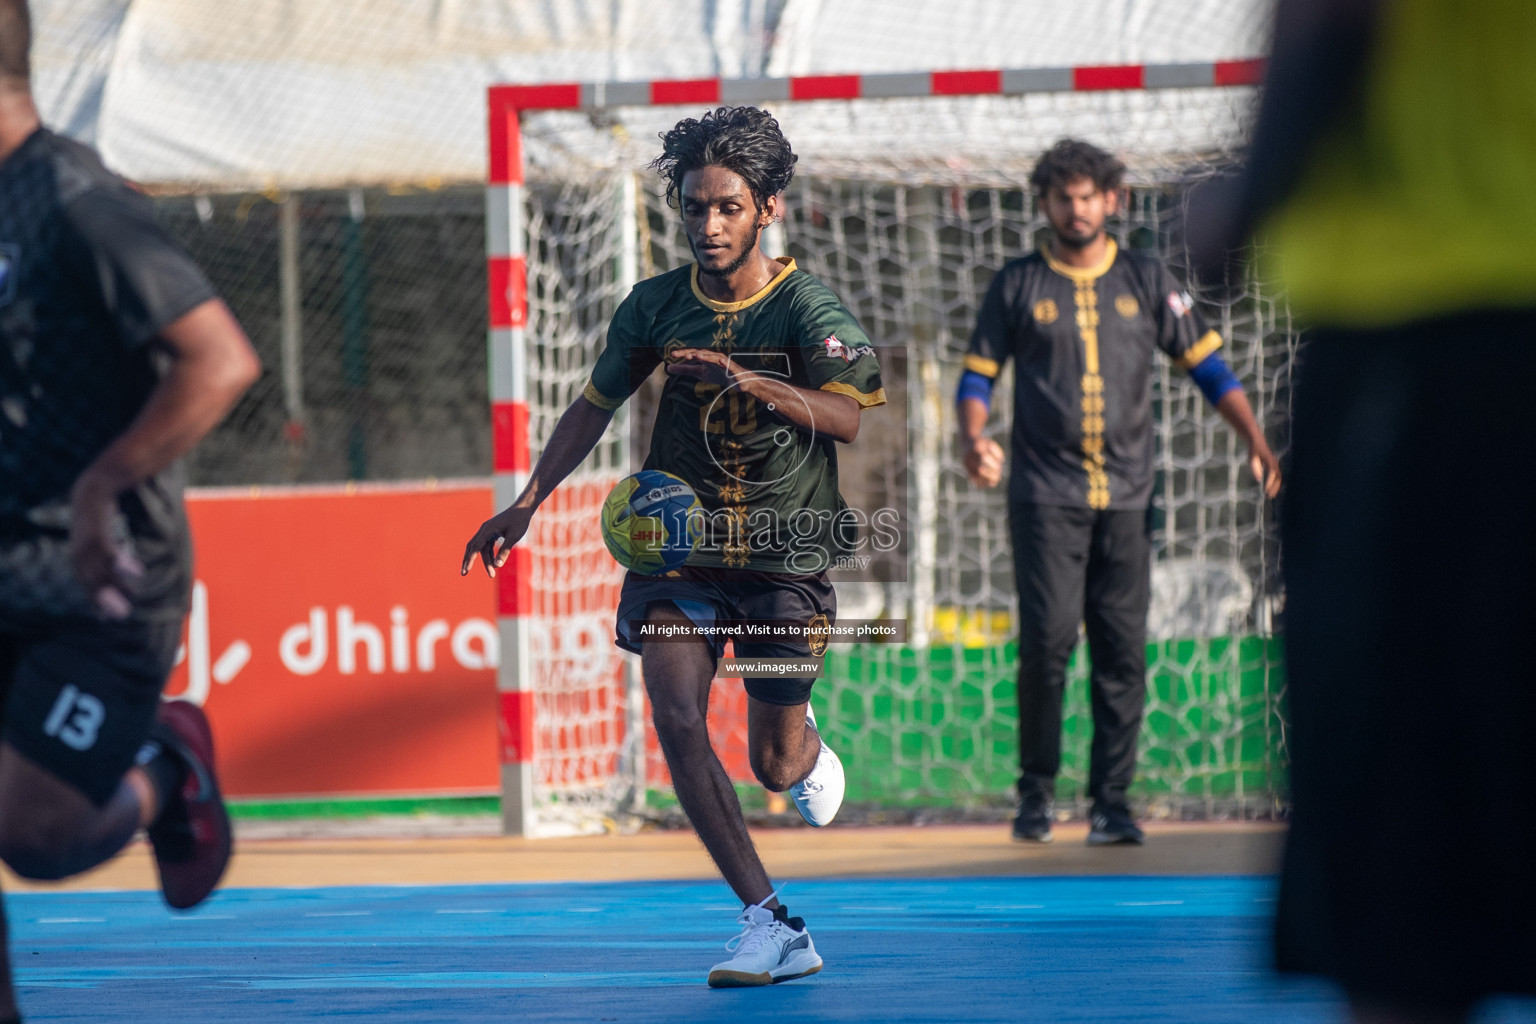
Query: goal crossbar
(507, 281)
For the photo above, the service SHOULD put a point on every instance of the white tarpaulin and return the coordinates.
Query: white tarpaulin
(288, 93)
(278, 92)
(822, 36)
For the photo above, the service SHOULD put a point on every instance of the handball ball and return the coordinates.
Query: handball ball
(651, 522)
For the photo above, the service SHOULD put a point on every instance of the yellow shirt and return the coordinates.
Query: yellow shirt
(1423, 201)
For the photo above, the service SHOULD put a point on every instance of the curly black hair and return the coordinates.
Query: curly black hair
(1071, 159)
(745, 140)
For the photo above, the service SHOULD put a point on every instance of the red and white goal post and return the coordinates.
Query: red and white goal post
(561, 255)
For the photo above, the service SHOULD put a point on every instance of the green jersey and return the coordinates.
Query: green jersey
(769, 490)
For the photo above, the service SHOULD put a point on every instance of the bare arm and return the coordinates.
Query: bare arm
(822, 413)
(1234, 408)
(1315, 65)
(983, 456)
(577, 433)
(212, 364)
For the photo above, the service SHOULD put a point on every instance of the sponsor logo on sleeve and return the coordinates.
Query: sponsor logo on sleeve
(1180, 302)
(847, 353)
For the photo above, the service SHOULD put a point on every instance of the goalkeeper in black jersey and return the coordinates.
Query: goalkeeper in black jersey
(1081, 320)
(767, 374)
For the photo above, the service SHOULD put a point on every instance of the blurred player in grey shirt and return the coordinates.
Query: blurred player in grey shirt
(116, 357)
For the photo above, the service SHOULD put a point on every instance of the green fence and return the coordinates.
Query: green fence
(938, 726)
(936, 729)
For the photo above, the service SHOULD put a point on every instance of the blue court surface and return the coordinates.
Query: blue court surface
(953, 950)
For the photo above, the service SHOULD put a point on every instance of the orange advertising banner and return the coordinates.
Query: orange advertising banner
(334, 644)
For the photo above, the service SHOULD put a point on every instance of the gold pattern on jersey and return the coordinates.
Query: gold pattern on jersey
(1080, 274)
(866, 400)
(1086, 298)
(732, 492)
(1197, 353)
(732, 307)
(735, 550)
(725, 332)
(982, 365)
(597, 398)
(1127, 306)
(1045, 313)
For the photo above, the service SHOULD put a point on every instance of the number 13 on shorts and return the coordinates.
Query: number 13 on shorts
(75, 719)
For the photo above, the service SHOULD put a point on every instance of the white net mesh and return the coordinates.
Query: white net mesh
(581, 696)
(328, 163)
(909, 246)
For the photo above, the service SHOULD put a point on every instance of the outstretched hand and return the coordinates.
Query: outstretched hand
(494, 541)
(704, 364)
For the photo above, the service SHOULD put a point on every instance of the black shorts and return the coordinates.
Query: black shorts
(715, 597)
(1409, 530)
(79, 695)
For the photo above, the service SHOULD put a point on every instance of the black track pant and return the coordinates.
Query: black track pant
(1076, 565)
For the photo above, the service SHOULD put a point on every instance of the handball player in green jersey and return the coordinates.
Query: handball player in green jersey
(766, 374)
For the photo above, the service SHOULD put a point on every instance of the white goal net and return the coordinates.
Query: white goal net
(326, 164)
(905, 207)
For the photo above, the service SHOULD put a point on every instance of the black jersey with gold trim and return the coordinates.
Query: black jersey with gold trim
(768, 489)
(1082, 341)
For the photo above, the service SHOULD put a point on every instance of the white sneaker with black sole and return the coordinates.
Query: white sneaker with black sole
(771, 948)
(819, 795)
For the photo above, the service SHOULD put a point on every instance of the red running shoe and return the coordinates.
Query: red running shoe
(191, 836)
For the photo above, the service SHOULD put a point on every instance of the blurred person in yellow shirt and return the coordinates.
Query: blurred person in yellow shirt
(1391, 185)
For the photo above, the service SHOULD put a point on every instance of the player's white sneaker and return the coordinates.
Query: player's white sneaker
(820, 794)
(771, 948)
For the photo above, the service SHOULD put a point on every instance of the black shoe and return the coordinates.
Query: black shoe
(1033, 822)
(1110, 825)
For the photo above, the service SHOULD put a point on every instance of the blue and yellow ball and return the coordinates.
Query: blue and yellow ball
(652, 522)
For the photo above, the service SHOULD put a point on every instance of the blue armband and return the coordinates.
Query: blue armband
(975, 385)
(1213, 378)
